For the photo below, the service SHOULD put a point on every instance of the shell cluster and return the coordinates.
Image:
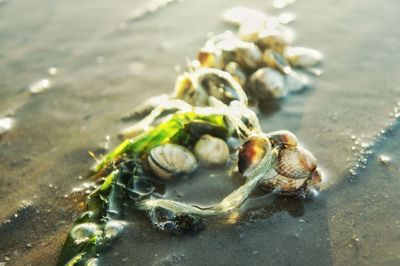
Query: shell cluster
(260, 57)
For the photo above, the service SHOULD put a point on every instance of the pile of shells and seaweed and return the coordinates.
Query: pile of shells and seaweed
(206, 123)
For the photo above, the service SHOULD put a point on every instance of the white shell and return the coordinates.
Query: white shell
(239, 15)
(295, 82)
(272, 38)
(303, 57)
(211, 151)
(249, 30)
(268, 83)
(81, 233)
(171, 160)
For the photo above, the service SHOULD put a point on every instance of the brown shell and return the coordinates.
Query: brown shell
(296, 163)
(252, 151)
(282, 137)
(286, 186)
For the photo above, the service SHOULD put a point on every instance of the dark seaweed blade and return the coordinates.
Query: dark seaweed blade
(105, 204)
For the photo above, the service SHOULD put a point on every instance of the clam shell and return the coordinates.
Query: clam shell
(286, 186)
(219, 84)
(295, 163)
(237, 73)
(187, 90)
(267, 83)
(251, 153)
(83, 232)
(282, 137)
(272, 38)
(275, 60)
(171, 160)
(249, 30)
(232, 49)
(295, 82)
(239, 15)
(302, 57)
(211, 151)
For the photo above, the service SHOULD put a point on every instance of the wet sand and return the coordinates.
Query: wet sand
(107, 64)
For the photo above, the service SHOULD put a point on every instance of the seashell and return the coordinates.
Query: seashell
(249, 30)
(236, 72)
(282, 137)
(186, 89)
(83, 232)
(267, 83)
(295, 82)
(275, 60)
(171, 160)
(286, 186)
(315, 179)
(239, 15)
(302, 57)
(211, 151)
(272, 38)
(198, 128)
(232, 49)
(251, 153)
(295, 163)
(113, 229)
(296, 168)
(174, 222)
(137, 188)
(219, 84)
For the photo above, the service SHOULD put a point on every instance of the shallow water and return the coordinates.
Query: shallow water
(107, 63)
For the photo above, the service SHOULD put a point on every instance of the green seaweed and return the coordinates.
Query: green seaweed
(124, 164)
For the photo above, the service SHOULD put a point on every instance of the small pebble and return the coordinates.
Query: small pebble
(384, 159)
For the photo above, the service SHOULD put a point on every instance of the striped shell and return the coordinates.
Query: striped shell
(296, 163)
(296, 168)
(170, 160)
(211, 151)
(267, 83)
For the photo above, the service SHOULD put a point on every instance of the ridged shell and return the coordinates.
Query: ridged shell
(295, 163)
(251, 153)
(211, 151)
(170, 160)
(282, 137)
(267, 83)
(302, 57)
(286, 186)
